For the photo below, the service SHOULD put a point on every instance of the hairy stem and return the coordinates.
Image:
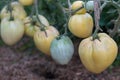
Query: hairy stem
(69, 5)
(9, 8)
(32, 11)
(42, 26)
(65, 16)
(97, 17)
(115, 30)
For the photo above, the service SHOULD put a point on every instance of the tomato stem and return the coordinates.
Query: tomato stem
(69, 5)
(97, 17)
(9, 8)
(42, 26)
(95, 34)
(32, 11)
(58, 37)
(65, 16)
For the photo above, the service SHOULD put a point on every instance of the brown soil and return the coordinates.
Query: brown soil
(26, 66)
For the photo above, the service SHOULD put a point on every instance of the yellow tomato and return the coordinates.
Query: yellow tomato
(26, 2)
(31, 28)
(11, 30)
(96, 55)
(43, 40)
(78, 4)
(81, 25)
(17, 11)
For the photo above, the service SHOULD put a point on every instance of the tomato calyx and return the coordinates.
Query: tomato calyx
(34, 22)
(43, 29)
(74, 11)
(9, 9)
(95, 35)
(58, 37)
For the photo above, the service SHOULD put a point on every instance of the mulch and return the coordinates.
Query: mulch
(16, 65)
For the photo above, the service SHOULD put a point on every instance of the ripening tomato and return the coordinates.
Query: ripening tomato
(81, 25)
(26, 2)
(98, 54)
(11, 30)
(32, 26)
(62, 50)
(17, 11)
(78, 4)
(43, 39)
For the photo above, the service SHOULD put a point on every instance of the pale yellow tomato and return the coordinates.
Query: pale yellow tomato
(81, 25)
(11, 30)
(78, 4)
(98, 54)
(43, 39)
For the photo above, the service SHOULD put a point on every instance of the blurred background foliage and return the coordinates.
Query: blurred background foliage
(51, 11)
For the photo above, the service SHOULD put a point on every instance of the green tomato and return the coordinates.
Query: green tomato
(62, 50)
(90, 5)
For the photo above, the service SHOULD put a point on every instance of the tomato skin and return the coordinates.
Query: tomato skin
(90, 5)
(17, 12)
(30, 28)
(26, 2)
(62, 50)
(11, 31)
(81, 25)
(78, 4)
(97, 55)
(43, 39)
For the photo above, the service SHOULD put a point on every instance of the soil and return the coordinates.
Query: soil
(17, 65)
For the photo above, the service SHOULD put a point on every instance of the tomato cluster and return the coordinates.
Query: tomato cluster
(96, 54)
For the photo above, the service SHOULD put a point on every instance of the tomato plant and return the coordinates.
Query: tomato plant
(72, 18)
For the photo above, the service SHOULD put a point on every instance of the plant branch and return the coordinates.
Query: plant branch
(118, 1)
(32, 11)
(64, 14)
(69, 5)
(103, 5)
(37, 13)
(115, 30)
(9, 8)
(97, 17)
(42, 26)
(115, 4)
